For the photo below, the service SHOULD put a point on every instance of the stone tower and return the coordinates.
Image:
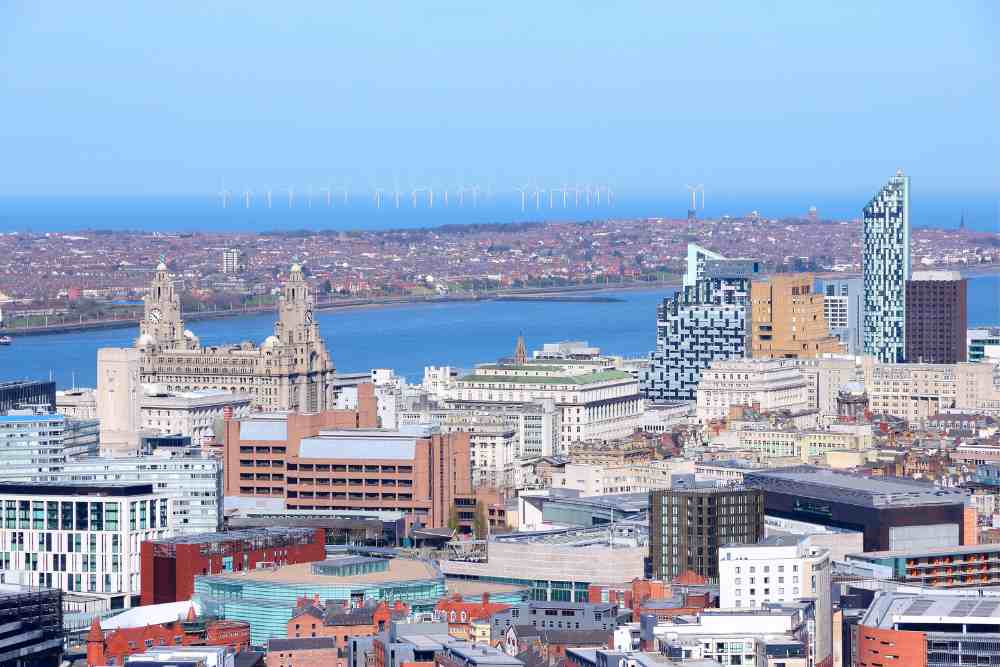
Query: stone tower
(161, 325)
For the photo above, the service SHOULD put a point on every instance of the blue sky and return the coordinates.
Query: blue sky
(170, 97)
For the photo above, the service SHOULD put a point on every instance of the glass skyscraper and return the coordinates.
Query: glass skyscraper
(885, 265)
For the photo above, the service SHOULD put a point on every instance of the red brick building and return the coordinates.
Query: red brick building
(338, 460)
(169, 566)
(257, 448)
(303, 652)
(111, 647)
(340, 621)
(460, 614)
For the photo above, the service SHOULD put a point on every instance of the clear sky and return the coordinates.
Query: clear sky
(171, 97)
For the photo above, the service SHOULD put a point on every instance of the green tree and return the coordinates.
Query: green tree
(480, 525)
(453, 517)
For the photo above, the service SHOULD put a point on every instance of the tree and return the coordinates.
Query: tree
(453, 517)
(480, 526)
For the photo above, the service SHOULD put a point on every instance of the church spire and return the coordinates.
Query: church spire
(520, 353)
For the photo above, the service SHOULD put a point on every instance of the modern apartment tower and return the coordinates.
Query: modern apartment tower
(885, 265)
(707, 320)
(936, 317)
(687, 526)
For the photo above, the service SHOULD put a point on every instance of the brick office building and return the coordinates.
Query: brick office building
(341, 622)
(303, 652)
(169, 566)
(319, 462)
(111, 647)
(257, 447)
(936, 317)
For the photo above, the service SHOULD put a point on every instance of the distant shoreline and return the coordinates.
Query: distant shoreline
(563, 294)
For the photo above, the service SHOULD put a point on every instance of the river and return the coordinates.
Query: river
(408, 337)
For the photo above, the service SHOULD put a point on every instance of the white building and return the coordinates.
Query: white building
(39, 440)
(190, 413)
(192, 482)
(594, 404)
(778, 570)
(771, 384)
(82, 538)
(536, 426)
(740, 637)
(825, 377)
(917, 391)
(597, 480)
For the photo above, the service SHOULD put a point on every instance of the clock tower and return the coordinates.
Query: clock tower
(161, 324)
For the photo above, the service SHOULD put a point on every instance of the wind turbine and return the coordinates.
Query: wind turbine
(309, 197)
(329, 195)
(538, 194)
(225, 195)
(268, 195)
(524, 195)
(247, 198)
(291, 195)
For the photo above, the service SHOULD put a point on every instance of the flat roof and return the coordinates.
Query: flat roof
(470, 587)
(105, 489)
(929, 552)
(582, 379)
(812, 482)
(400, 569)
(237, 535)
(888, 610)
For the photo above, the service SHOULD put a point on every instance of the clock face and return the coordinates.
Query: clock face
(154, 315)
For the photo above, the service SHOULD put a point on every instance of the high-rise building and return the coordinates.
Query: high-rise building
(192, 482)
(788, 320)
(687, 526)
(843, 305)
(707, 320)
(885, 266)
(291, 370)
(81, 537)
(936, 317)
(232, 260)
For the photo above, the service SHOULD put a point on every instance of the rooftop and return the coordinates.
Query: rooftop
(399, 569)
(890, 610)
(76, 489)
(583, 379)
(811, 482)
(925, 553)
(238, 535)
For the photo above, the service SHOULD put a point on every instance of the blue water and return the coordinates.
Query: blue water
(205, 214)
(407, 338)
